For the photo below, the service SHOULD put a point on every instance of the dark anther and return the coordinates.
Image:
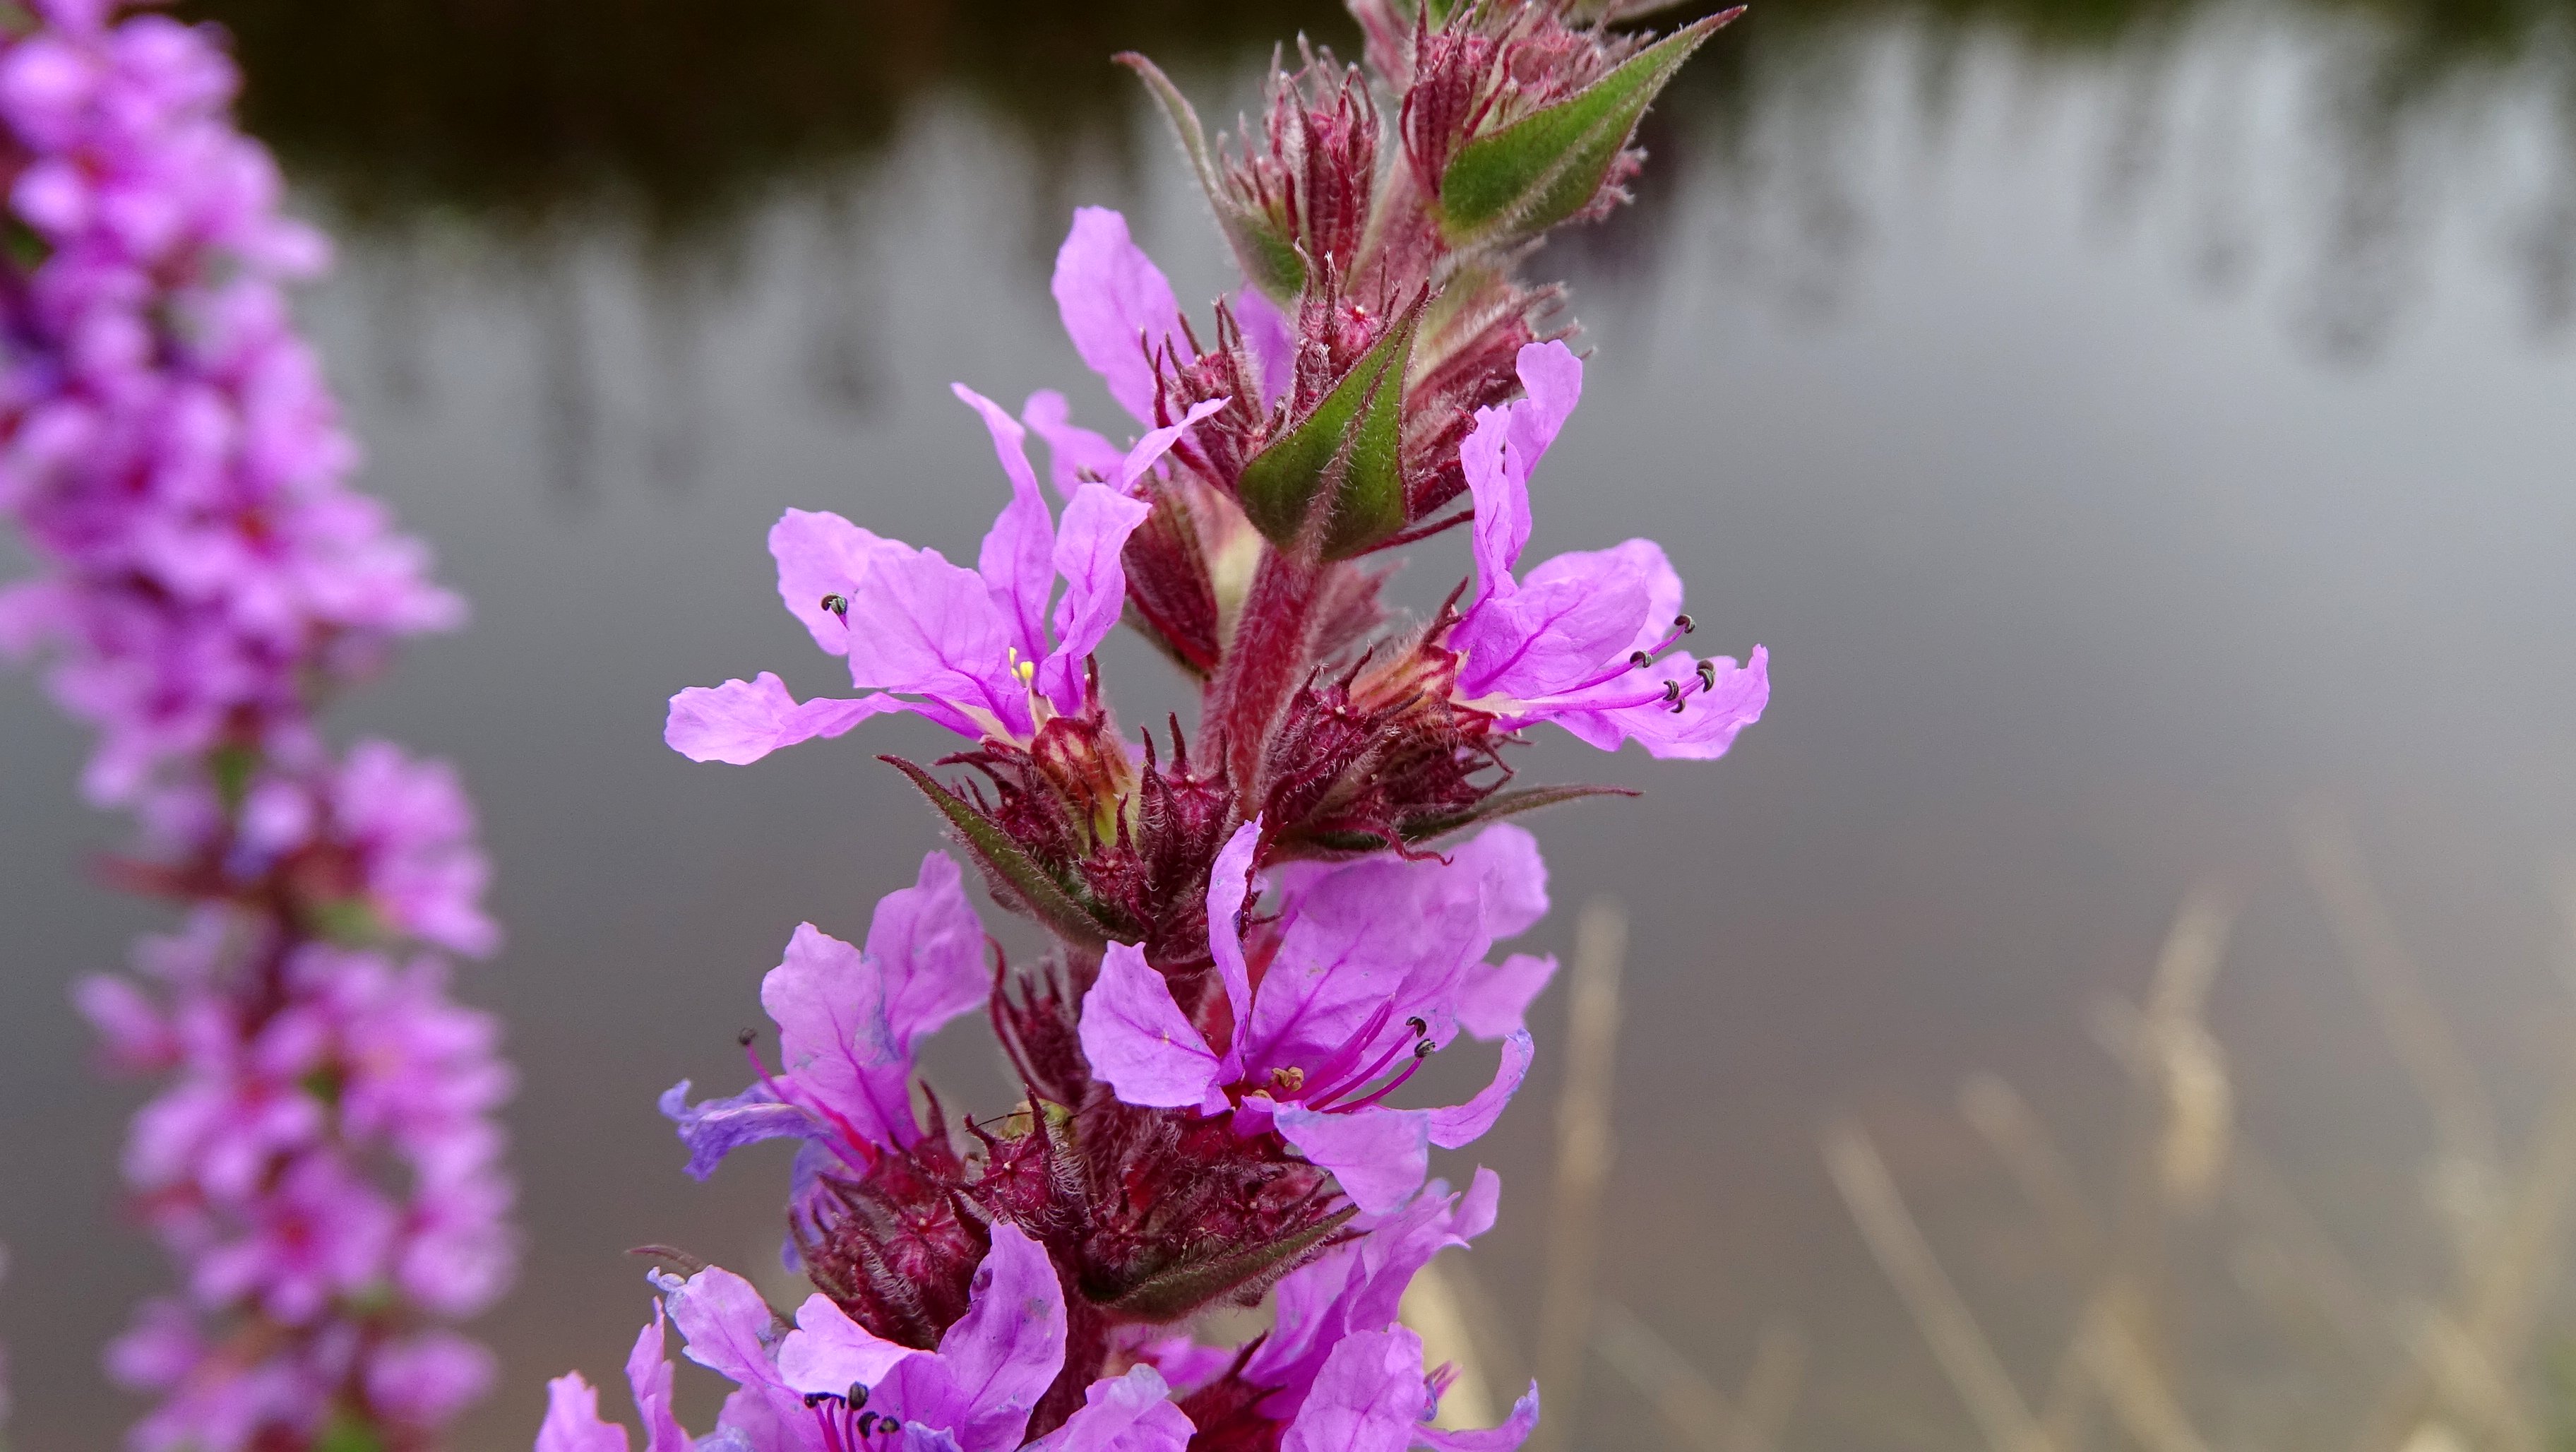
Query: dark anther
(1418, 1026)
(745, 1037)
(1685, 623)
(816, 1399)
(838, 605)
(1678, 703)
(1640, 659)
(1708, 675)
(857, 1395)
(1425, 1049)
(1672, 690)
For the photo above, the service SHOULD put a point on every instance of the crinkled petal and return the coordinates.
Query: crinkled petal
(922, 626)
(1138, 1041)
(1096, 526)
(1006, 1350)
(1512, 1433)
(928, 946)
(1117, 307)
(1380, 1155)
(829, 1352)
(1702, 730)
(572, 1419)
(1495, 1000)
(1073, 451)
(1131, 1413)
(1466, 1123)
(1017, 560)
(1150, 449)
(714, 1128)
(1369, 1397)
(845, 1057)
(820, 553)
(1271, 340)
(727, 1327)
(1552, 379)
(742, 721)
(1229, 884)
(648, 1377)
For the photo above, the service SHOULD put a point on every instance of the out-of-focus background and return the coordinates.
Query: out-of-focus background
(2142, 433)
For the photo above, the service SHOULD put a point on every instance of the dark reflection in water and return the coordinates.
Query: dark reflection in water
(681, 117)
(1967, 356)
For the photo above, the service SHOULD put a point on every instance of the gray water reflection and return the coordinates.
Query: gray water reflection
(2078, 577)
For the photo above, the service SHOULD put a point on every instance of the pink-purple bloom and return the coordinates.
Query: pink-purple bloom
(968, 648)
(849, 1023)
(1582, 640)
(322, 1160)
(1370, 967)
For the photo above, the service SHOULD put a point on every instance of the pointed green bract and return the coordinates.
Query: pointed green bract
(1548, 165)
(1268, 258)
(1047, 899)
(1348, 454)
(1504, 804)
(1194, 1284)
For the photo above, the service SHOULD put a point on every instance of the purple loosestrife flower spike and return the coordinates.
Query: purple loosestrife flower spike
(1264, 922)
(321, 1158)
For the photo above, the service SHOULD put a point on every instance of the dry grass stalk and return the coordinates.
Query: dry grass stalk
(1582, 1167)
(1998, 1112)
(1706, 1418)
(1939, 1313)
(1771, 1387)
(2394, 987)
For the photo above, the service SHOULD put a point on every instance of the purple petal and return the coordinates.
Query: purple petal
(823, 554)
(1096, 526)
(1500, 489)
(1495, 1001)
(1553, 378)
(1270, 340)
(648, 1377)
(1229, 883)
(1116, 306)
(1550, 639)
(1131, 1413)
(1380, 1155)
(1512, 1433)
(1506, 861)
(741, 721)
(1006, 1350)
(714, 1128)
(1368, 1398)
(1468, 1122)
(572, 1419)
(840, 1050)
(1017, 561)
(1150, 449)
(1139, 1042)
(727, 1327)
(1632, 565)
(928, 946)
(1360, 1287)
(1702, 730)
(829, 1352)
(1072, 450)
(923, 626)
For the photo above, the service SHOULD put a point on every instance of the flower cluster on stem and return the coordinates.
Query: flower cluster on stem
(1261, 927)
(320, 1155)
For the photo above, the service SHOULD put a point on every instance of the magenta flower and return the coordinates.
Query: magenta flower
(828, 1385)
(849, 1022)
(1582, 640)
(1368, 969)
(969, 649)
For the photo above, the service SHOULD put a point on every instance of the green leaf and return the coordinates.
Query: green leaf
(1548, 165)
(1346, 454)
(348, 1433)
(1171, 1294)
(1505, 804)
(1038, 890)
(1268, 256)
